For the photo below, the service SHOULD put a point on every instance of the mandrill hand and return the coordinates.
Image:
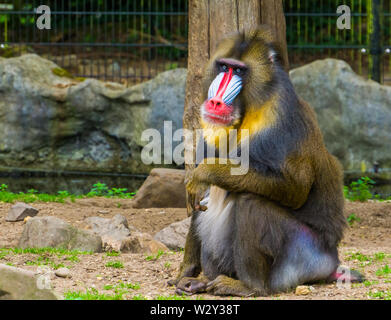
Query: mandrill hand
(198, 180)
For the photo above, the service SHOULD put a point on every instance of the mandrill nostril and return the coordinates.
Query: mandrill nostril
(216, 103)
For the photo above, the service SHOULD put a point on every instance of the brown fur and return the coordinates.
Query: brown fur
(293, 182)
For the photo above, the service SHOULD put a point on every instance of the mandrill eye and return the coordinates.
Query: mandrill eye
(224, 68)
(238, 71)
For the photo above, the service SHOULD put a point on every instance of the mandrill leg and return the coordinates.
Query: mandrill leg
(191, 264)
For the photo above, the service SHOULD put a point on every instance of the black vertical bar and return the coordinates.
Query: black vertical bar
(375, 42)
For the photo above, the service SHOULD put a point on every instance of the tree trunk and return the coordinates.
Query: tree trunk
(210, 21)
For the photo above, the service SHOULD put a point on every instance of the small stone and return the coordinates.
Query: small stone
(19, 211)
(302, 290)
(103, 211)
(63, 273)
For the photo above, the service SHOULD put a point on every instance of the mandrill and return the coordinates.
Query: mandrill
(277, 225)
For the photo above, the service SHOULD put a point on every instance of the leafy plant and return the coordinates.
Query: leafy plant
(32, 195)
(352, 218)
(359, 190)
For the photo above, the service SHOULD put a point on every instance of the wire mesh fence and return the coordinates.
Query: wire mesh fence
(116, 40)
(130, 41)
(312, 34)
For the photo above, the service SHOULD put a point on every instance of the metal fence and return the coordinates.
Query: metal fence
(312, 34)
(130, 41)
(126, 41)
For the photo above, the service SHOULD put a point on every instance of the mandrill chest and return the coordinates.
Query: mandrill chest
(215, 228)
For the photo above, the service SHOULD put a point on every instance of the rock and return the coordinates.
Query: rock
(354, 113)
(63, 273)
(20, 284)
(164, 188)
(42, 232)
(114, 232)
(143, 243)
(303, 290)
(116, 236)
(96, 125)
(174, 236)
(19, 211)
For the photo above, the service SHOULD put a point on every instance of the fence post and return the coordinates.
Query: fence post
(374, 32)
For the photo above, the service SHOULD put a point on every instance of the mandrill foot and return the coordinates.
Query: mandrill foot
(226, 286)
(189, 286)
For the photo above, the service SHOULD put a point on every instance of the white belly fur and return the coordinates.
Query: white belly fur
(214, 225)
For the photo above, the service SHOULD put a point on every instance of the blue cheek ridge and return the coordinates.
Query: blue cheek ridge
(233, 88)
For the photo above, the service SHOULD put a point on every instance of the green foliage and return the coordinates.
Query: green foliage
(352, 218)
(113, 253)
(359, 190)
(45, 261)
(139, 297)
(46, 255)
(32, 195)
(383, 295)
(366, 260)
(115, 264)
(91, 294)
(102, 190)
(384, 271)
(368, 283)
(173, 297)
(157, 256)
(122, 286)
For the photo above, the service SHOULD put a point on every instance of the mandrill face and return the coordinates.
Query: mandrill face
(219, 108)
(238, 78)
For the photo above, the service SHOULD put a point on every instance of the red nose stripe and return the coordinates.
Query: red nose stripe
(224, 83)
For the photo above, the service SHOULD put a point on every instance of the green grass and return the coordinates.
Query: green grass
(139, 297)
(177, 297)
(368, 283)
(59, 252)
(46, 255)
(122, 287)
(44, 261)
(383, 295)
(113, 253)
(155, 257)
(366, 260)
(352, 218)
(32, 195)
(114, 264)
(384, 271)
(91, 294)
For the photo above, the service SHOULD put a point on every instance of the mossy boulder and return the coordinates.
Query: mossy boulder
(50, 120)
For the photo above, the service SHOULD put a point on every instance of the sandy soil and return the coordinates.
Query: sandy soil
(370, 237)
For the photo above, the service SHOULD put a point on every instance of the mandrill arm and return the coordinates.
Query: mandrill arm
(290, 188)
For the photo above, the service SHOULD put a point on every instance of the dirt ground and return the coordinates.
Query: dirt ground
(366, 247)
